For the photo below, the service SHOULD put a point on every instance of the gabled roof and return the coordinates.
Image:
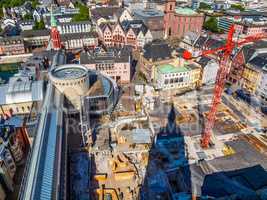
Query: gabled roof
(200, 41)
(135, 25)
(259, 61)
(103, 26)
(203, 61)
(250, 49)
(111, 54)
(35, 33)
(191, 37)
(106, 12)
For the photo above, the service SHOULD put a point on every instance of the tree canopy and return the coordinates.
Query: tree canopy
(237, 7)
(204, 6)
(39, 25)
(83, 13)
(28, 16)
(212, 25)
(14, 3)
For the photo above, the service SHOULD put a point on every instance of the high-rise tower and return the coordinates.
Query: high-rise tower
(54, 34)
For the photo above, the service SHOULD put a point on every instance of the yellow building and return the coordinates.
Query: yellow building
(154, 54)
(251, 78)
(195, 75)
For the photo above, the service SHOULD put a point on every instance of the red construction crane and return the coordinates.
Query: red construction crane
(225, 53)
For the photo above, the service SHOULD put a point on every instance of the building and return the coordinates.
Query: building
(62, 14)
(13, 45)
(137, 33)
(46, 174)
(244, 25)
(54, 34)
(219, 5)
(209, 69)
(35, 67)
(153, 19)
(251, 27)
(72, 81)
(9, 166)
(179, 21)
(74, 27)
(39, 12)
(14, 136)
(100, 98)
(46, 177)
(20, 96)
(154, 54)
(248, 69)
(195, 4)
(35, 38)
(133, 33)
(115, 63)
(177, 75)
(110, 15)
(7, 170)
(262, 87)
(79, 40)
(26, 25)
(195, 42)
(224, 23)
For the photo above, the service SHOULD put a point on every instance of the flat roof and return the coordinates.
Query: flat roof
(168, 68)
(148, 13)
(185, 11)
(69, 72)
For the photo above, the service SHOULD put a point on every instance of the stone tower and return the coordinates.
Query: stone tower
(169, 12)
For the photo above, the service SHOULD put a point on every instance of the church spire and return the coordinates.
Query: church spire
(54, 34)
(53, 21)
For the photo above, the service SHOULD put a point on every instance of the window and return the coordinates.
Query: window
(170, 31)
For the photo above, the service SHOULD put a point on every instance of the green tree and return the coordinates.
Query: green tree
(39, 25)
(204, 6)
(14, 3)
(28, 16)
(212, 25)
(35, 3)
(83, 14)
(237, 7)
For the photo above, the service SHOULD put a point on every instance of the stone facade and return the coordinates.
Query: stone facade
(179, 21)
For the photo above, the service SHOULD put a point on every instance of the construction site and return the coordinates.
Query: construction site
(202, 144)
(154, 152)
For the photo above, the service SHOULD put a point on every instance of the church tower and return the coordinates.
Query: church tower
(169, 12)
(54, 34)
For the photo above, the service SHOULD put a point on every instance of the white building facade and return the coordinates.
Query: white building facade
(171, 77)
(262, 86)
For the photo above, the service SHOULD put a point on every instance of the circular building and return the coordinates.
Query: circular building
(72, 80)
(101, 96)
